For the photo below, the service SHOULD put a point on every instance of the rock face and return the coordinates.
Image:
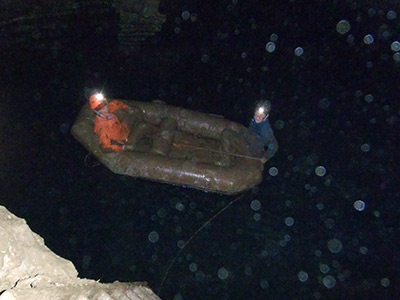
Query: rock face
(30, 270)
(139, 19)
(49, 24)
(52, 24)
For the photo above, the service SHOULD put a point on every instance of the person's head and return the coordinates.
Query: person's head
(98, 103)
(262, 111)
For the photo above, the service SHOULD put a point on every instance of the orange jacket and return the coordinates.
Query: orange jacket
(112, 129)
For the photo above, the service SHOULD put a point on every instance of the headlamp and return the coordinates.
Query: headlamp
(100, 101)
(99, 97)
(261, 110)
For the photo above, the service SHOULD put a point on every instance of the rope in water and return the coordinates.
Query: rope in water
(193, 236)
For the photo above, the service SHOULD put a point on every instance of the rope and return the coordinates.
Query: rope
(90, 164)
(216, 151)
(193, 236)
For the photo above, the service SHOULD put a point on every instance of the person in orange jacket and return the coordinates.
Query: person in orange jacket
(114, 132)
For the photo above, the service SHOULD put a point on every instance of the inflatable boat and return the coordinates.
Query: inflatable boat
(189, 154)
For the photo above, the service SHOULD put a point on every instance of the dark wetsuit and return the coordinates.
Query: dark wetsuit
(248, 141)
(260, 135)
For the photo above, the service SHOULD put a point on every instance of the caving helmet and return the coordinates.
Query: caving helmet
(97, 101)
(263, 107)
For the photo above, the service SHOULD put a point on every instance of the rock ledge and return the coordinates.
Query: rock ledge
(30, 270)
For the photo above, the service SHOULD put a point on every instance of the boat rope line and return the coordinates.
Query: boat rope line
(216, 151)
(90, 164)
(193, 236)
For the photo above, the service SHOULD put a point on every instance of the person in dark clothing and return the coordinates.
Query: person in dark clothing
(251, 141)
(264, 135)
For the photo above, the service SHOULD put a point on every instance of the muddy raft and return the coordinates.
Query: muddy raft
(183, 156)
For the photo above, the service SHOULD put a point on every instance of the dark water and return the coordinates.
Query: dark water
(297, 235)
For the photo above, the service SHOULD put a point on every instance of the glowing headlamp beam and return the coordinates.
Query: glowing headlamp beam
(99, 97)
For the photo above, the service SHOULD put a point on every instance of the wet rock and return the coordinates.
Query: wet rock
(139, 19)
(55, 24)
(30, 270)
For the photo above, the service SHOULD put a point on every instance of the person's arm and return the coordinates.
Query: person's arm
(272, 145)
(116, 104)
(108, 144)
(121, 106)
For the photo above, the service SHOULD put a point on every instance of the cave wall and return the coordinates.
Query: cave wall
(53, 24)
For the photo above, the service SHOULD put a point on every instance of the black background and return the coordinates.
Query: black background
(322, 115)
